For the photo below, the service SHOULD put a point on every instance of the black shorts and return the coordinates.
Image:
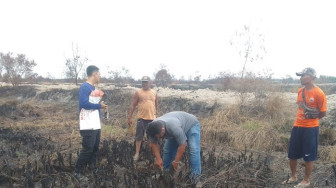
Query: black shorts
(304, 143)
(141, 129)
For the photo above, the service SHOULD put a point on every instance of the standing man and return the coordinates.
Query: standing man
(303, 143)
(179, 129)
(146, 100)
(89, 108)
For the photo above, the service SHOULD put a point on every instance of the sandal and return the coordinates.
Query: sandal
(289, 181)
(302, 185)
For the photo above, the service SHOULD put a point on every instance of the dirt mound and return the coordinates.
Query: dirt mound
(14, 110)
(58, 95)
(200, 109)
(21, 91)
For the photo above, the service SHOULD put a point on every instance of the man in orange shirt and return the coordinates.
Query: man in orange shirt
(303, 143)
(146, 100)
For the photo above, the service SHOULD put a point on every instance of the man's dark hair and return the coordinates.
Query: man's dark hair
(154, 128)
(91, 69)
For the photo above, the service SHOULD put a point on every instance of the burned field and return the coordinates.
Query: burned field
(31, 160)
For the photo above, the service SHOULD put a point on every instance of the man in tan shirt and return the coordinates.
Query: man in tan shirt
(146, 100)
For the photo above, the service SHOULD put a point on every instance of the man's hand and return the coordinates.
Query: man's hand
(175, 165)
(103, 105)
(129, 121)
(159, 162)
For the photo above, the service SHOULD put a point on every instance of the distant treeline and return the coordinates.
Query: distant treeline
(217, 80)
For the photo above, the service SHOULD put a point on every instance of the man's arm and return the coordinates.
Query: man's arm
(322, 105)
(322, 114)
(135, 101)
(156, 151)
(156, 104)
(181, 140)
(180, 151)
(84, 95)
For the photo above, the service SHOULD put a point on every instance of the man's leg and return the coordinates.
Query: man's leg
(194, 136)
(146, 122)
(93, 160)
(310, 149)
(293, 166)
(137, 147)
(87, 149)
(169, 153)
(294, 153)
(308, 171)
(140, 131)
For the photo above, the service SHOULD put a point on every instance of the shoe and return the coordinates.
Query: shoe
(197, 185)
(80, 177)
(196, 182)
(135, 158)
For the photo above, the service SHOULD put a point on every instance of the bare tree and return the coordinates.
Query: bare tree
(197, 77)
(16, 68)
(120, 76)
(75, 64)
(250, 46)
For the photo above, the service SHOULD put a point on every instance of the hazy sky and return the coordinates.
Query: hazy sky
(187, 36)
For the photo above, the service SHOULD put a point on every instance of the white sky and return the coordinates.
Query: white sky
(187, 36)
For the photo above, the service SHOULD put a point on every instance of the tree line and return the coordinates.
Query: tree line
(18, 68)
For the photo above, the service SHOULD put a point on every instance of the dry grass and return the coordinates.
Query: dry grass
(327, 136)
(261, 124)
(250, 134)
(327, 153)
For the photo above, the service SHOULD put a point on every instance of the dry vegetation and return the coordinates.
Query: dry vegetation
(262, 124)
(258, 121)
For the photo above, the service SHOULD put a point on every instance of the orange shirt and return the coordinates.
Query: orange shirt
(146, 104)
(315, 98)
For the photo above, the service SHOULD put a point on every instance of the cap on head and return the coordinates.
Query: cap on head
(310, 71)
(145, 79)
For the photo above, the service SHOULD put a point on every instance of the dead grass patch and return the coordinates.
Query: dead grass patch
(327, 137)
(261, 124)
(250, 134)
(327, 153)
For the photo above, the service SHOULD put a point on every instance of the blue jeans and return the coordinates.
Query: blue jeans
(193, 142)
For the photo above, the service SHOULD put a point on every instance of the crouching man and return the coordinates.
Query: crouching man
(179, 129)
